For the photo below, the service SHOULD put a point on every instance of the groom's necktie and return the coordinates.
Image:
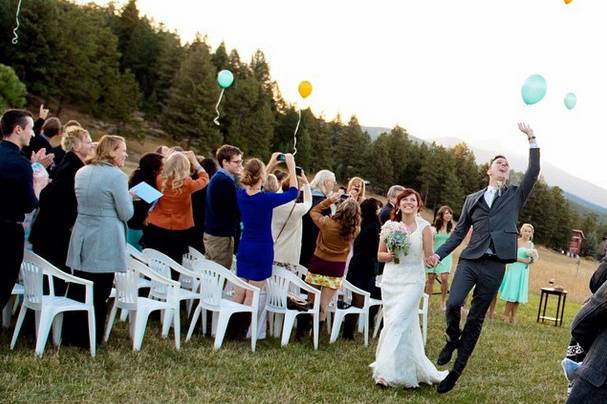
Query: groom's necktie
(490, 196)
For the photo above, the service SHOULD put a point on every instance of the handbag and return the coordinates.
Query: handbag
(295, 302)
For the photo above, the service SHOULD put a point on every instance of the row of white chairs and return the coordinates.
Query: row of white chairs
(201, 281)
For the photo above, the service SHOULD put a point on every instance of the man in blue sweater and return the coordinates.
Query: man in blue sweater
(221, 216)
(21, 191)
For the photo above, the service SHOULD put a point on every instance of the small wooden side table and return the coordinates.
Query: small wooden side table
(560, 309)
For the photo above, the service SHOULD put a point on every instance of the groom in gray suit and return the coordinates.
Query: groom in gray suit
(493, 214)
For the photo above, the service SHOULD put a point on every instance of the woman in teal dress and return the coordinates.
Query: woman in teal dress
(515, 285)
(441, 228)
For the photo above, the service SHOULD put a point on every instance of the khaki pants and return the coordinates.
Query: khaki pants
(219, 249)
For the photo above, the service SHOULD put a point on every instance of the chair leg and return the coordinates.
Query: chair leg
(123, 314)
(339, 317)
(315, 329)
(177, 327)
(110, 322)
(18, 325)
(222, 325)
(141, 319)
(166, 322)
(93, 330)
(287, 326)
(57, 326)
(197, 313)
(44, 327)
(254, 318)
(378, 319)
(366, 325)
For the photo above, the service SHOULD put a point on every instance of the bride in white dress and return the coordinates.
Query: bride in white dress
(400, 359)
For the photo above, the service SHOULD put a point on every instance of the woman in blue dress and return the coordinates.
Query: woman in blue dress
(515, 285)
(256, 249)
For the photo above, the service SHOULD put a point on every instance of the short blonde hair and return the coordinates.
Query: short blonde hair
(271, 184)
(175, 170)
(106, 146)
(73, 136)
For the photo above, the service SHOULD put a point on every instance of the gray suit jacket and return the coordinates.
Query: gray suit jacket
(98, 241)
(494, 227)
(590, 330)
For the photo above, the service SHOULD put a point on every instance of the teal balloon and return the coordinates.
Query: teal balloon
(225, 78)
(570, 100)
(534, 89)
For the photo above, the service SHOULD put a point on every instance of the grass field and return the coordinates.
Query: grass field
(512, 363)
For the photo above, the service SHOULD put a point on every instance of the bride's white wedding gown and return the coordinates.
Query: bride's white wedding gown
(400, 359)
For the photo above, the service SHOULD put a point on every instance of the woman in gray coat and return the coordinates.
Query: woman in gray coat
(98, 243)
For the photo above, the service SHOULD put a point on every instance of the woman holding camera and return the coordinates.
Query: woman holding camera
(256, 250)
(335, 237)
(171, 220)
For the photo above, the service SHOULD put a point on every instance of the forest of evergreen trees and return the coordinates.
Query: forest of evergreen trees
(111, 62)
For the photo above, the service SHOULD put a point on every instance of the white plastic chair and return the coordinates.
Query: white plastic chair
(139, 308)
(11, 306)
(142, 282)
(279, 285)
(339, 314)
(50, 308)
(162, 265)
(211, 297)
(373, 302)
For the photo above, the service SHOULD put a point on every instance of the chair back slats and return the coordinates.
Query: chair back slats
(212, 276)
(158, 265)
(278, 288)
(127, 287)
(33, 276)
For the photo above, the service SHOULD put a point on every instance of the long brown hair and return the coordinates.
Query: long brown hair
(439, 221)
(348, 216)
(396, 214)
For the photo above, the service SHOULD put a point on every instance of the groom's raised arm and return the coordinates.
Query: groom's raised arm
(461, 229)
(533, 168)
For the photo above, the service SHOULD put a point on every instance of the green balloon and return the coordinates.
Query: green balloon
(570, 100)
(534, 89)
(225, 78)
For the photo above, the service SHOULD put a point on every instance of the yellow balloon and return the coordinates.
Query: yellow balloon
(568, 1)
(305, 89)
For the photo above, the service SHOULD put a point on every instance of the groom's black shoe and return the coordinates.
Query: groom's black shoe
(447, 352)
(448, 382)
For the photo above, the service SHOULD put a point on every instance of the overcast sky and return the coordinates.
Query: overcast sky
(440, 68)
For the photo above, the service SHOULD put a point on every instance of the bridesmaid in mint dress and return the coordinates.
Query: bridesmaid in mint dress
(441, 229)
(515, 285)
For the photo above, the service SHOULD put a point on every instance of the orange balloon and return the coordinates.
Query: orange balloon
(305, 89)
(568, 1)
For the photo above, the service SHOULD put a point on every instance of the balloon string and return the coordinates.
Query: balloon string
(295, 134)
(16, 37)
(216, 120)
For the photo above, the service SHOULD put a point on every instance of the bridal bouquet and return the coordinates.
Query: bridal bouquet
(532, 253)
(396, 238)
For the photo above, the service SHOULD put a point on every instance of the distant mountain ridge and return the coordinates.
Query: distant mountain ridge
(576, 190)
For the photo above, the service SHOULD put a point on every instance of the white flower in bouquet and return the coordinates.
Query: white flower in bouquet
(396, 238)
